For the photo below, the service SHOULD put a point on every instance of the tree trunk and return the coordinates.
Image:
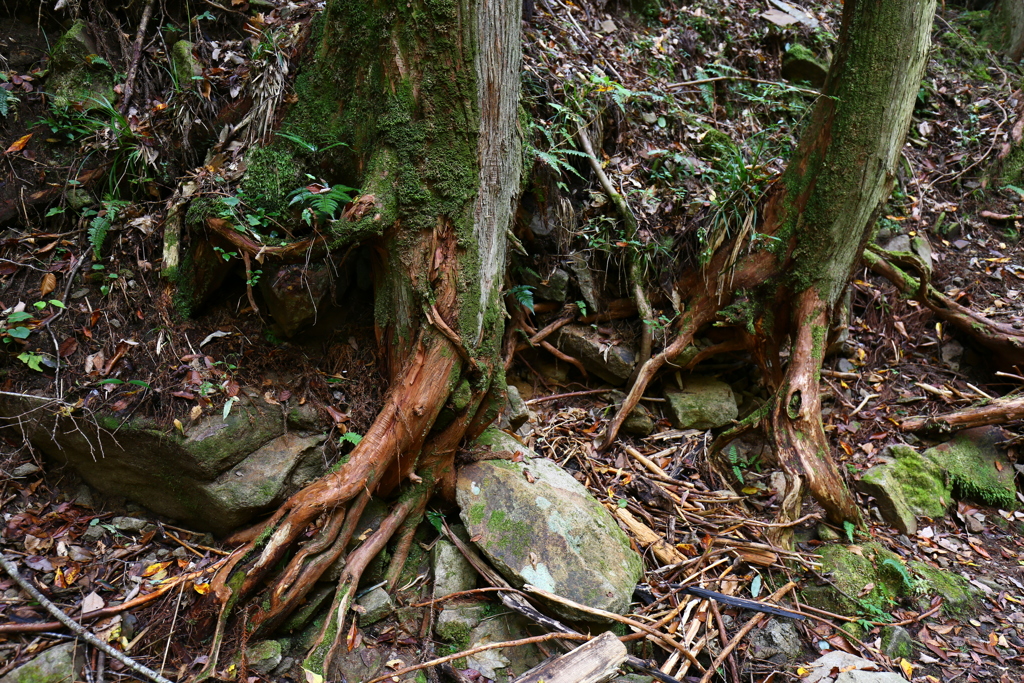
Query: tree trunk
(1006, 28)
(424, 95)
(820, 215)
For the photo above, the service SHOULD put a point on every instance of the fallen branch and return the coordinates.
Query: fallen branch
(133, 66)
(593, 662)
(997, 412)
(78, 629)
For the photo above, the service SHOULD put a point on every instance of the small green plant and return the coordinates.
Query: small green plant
(102, 220)
(7, 100)
(523, 294)
(849, 528)
(226, 255)
(308, 146)
(320, 202)
(352, 438)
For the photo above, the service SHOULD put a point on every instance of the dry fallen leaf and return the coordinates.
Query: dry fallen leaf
(19, 144)
(48, 284)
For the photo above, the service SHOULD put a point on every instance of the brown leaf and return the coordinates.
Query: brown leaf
(232, 388)
(48, 284)
(19, 144)
(336, 415)
(67, 347)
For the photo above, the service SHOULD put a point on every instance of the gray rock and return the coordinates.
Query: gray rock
(837, 660)
(216, 478)
(84, 496)
(26, 470)
(499, 663)
(897, 643)
(639, 421)
(128, 523)
(800, 65)
(72, 80)
(917, 245)
(294, 294)
(452, 571)
(702, 403)
(263, 656)
(585, 281)
(778, 641)
(377, 604)
(59, 664)
(516, 413)
(456, 622)
(538, 525)
(554, 287)
(611, 362)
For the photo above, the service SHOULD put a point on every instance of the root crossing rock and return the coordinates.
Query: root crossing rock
(540, 526)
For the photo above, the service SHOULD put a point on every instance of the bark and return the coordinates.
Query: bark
(1007, 28)
(425, 95)
(820, 214)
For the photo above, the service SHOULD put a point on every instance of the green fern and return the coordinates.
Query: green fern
(321, 201)
(101, 223)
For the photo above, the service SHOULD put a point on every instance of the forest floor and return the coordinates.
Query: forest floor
(652, 87)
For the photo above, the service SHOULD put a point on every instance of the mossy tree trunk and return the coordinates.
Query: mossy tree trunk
(819, 217)
(1006, 28)
(425, 97)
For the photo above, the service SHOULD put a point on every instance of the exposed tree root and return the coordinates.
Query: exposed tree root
(798, 437)
(1006, 341)
(994, 413)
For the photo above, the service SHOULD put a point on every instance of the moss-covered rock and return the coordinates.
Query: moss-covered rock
(800, 65)
(538, 525)
(184, 65)
(977, 468)
(56, 665)
(701, 403)
(907, 486)
(271, 175)
(77, 76)
(958, 597)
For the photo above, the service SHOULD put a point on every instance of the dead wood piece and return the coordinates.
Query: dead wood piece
(593, 662)
(649, 538)
(996, 412)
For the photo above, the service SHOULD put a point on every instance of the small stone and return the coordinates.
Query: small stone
(79, 293)
(94, 533)
(554, 287)
(26, 470)
(455, 623)
(897, 643)
(263, 656)
(800, 65)
(517, 412)
(377, 604)
(702, 403)
(585, 281)
(827, 534)
(778, 641)
(452, 571)
(608, 26)
(128, 523)
(84, 497)
(611, 360)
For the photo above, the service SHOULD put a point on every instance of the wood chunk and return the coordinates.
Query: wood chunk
(593, 662)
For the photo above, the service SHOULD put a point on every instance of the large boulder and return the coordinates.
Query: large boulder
(701, 403)
(216, 476)
(539, 526)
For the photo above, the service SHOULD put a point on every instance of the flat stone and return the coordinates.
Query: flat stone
(26, 470)
(517, 413)
(639, 421)
(456, 622)
(916, 245)
(702, 403)
(377, 604)
(59, 664)
(540, 526)
(837, 660)
(897, 643)
(128, 523)
(502, 664)
(612, 362)
(905, 487)
(585, 281)
(216, 477)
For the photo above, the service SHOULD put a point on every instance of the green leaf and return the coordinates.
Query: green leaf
(139, 383)
(19, 316)
(112, 380)
(33, 360)
(436, 520)
(227, 406)
(19, 332)
(55, 211)
(57, 302)
(622, 503)
(350, 437)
